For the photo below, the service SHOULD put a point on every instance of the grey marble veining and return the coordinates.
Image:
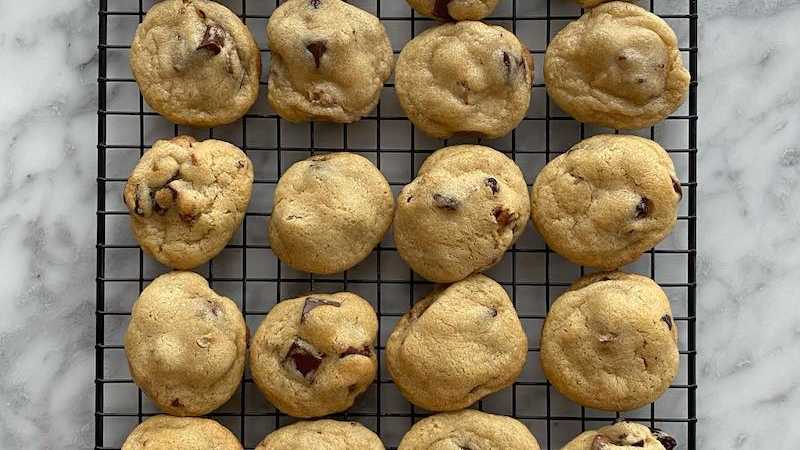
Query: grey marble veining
(749, 208)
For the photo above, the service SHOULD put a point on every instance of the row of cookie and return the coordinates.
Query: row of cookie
(607, 343)
(601, 204)
(197, 64)
(466, 429)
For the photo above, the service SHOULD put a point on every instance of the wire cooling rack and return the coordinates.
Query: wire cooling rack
(248, 272)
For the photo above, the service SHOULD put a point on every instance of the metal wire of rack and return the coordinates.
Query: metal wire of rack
(247, 271)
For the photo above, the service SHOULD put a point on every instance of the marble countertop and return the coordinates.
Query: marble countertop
(749, 223)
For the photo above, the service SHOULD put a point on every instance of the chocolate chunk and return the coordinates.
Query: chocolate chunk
(410, 197)
(213, 39)
(315, 3)
(667, 320)
(363, 351)
(507, 63)
(676, 186)
(640, 80)
(638, 444)
(643, 208)
(666, 440)
(314, 302)
(440, 9)
(201, 13)
(303, 360)
(241, 164)
(443, 201)
(622, 57)
(492, 183)
(464, 447)
(317, 49)
(176, 403)
(492, 311)
(503, 216)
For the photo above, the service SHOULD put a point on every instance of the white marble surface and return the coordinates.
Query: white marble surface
(749, 198)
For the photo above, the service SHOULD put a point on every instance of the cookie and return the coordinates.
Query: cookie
(454, 9)
(329, 212)
(610, 342)
(457, 345)
(622, 435)
(468, 429)
(187, 199)
(180, 433)
(312, 356)
(467, 206)
(329, 61)
(196, 63)
(606, 200)
(466, 78)
(322, 435)
(185, 345)
(618, 66)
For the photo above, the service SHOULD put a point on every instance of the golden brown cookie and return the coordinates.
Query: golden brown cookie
(180, 433)
(606, 200)
(465, 77)
(196, 63)
(322, 435)
(329, 61)
(610, 342)
(185, 344)
(329, 212)
(313, 355)
(454, 9)
(618, 66)
(467, 206)
(187, 199)
(622, 435)
(457, 345)
(467, 430)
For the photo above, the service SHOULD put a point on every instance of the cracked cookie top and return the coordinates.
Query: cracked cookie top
(187, 198)
(329, 212)
(186, 344)
(329, 61)
(313, 355)
(457, 345)
(322, 435)
(618, 66)
(606, 200)
(161, 432)
(467, 430)
(622, 435)
(454, 9)
(467, 206)
(610, 342)
(465, 77)
(196, 63)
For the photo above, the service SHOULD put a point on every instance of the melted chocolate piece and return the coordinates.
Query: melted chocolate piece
(213, 39)
(492, 183)
(315, 302)
(440, 9)
(643, 208)
(666, 440)
(303, 360)
(445, 202)
(317, 49)
(363, 351)
(667, 320)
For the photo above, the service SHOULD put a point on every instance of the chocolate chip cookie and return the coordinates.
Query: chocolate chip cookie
(312, 356)
(322, 435)
(185, 344)
(467, 206)
(606, 200)
(465, 77)
(622, 435)
(329, 61)
(187, 198)
(468, 429)
(181, 433)
(457, 345)
(329, 212)
(196, 63)
(454, 9)
(610, 342)
(618, 66)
